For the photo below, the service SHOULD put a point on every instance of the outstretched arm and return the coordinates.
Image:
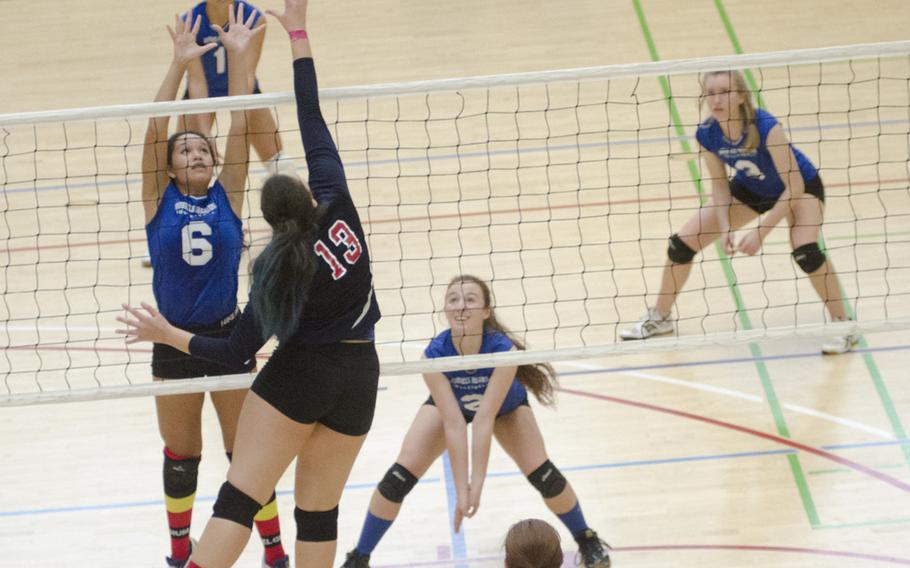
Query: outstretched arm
(239, 40)
(147, 324)
(154, 153)
(456, 435)
(482, 429)
(326, 175)
(720, 198)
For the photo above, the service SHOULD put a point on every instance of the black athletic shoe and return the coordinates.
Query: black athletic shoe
(356, 560)
(593, 551)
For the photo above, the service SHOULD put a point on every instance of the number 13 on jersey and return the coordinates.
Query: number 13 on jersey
(339, 234)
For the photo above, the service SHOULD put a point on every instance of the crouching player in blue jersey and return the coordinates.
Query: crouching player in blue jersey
(208, 76)
(495, 401)
(313, 289)
(195, 238)
(772, 179)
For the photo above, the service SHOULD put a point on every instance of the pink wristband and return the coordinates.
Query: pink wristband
(297, 34)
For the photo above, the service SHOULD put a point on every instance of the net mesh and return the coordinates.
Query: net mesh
(559, 188)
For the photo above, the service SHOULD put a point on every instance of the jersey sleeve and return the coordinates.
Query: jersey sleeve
(764, 121)
(433, 350)
(327, 178)
(237, 349)
(500, 342)
(701, 135)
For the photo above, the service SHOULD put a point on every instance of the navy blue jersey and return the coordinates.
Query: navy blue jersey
(214, 62)
(754, 169)
(470, 385)
(195, 245)
(341, 304)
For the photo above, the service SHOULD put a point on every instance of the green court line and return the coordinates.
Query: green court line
(770, 394)
(845, 470)
(880, 388)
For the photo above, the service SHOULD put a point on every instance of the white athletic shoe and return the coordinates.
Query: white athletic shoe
(840, 344)
(652, 323)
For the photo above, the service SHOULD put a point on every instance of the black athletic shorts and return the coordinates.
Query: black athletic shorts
(761, 204)
(170, 363)
(333, 384)
(469, 416)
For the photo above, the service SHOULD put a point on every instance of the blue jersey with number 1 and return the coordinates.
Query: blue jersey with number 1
(755, 169)
(195, 245)
(214, 62)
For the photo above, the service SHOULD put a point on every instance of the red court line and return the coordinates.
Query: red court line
(745, 430)
(683, 547)
(608, 203)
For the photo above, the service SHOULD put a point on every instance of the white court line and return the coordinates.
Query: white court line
(745, 396)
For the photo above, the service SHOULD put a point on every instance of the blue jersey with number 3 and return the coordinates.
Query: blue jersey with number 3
(195, 245)
(469, 386)
(754, 169)
(214, 62)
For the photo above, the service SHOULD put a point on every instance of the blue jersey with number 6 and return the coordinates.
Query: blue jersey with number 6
(469, 386)
(754, 169)
(195, 245)
(214, 62)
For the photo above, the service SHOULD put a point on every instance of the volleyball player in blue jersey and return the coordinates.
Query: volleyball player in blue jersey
(772, 179)
(195, 239)
(495, 402)
(207, 76)
(312, 289)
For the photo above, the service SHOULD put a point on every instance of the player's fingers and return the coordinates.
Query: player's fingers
(149, 308)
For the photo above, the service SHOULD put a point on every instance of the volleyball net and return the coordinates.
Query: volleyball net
(558, 188)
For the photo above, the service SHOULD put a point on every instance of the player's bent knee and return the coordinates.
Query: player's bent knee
(548, 480)
(235, 505)
(678, 251)
(316, 526)
(397, 483)
(809, 257)
(180, 475)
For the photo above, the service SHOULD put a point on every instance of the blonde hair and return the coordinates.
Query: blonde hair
(747, 108)
(539, 378)
(532, 543)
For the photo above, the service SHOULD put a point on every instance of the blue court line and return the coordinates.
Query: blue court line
(731, 360)
(456, 156)
(433, 480)
(459, 546)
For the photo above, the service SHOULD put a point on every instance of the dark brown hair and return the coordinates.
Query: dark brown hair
(283, 272)
(539, 378)
(532, 543)
(172, 141)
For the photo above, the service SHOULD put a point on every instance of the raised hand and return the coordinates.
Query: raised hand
(184, 36)
(149, 326)
(294, 16)
(240, 32)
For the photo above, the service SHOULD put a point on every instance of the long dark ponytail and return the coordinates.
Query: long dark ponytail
(539, 378)
(283, 272)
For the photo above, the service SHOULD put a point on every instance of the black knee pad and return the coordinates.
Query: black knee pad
(180, 476)
(316, 526)
(235, 505)
(397, 483)
(548, 480)
(678, 251)
(809, 257)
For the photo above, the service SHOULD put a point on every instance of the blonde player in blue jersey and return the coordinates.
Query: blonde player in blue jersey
(495, 403)
(207, 76)
(773, 180)
(195, 240)
(314, 400)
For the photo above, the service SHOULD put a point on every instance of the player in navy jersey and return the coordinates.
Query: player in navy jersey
(195, 239)
(207, 76)
(495, 402)
(772, 179)
(312, 289)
